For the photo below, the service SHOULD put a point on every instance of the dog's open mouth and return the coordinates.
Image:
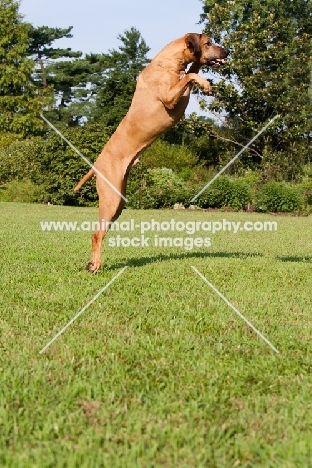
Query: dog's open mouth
(216, 63)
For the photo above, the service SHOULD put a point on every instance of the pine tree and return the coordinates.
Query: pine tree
(121, 69)
(75, 84)
(41, 40)
(20, 100)
(71, 80)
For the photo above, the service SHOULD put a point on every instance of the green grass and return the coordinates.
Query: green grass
(158, 371)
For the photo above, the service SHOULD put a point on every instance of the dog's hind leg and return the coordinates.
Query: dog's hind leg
(111, 205)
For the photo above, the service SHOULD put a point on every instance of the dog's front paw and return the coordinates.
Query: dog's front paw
(206, 87)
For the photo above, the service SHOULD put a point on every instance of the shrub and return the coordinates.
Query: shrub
(224, 192)
(251, 178)
(64, 167)
(282, 166)
(307, 171)
(155, 188)
(278, 197)
(306, 189)
(54, 166)
(162, 154)
(21, 191)
(21, 160)
(7, 138)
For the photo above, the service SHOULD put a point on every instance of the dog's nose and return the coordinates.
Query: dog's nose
(227, 52)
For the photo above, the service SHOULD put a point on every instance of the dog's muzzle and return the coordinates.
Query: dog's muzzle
(216, 62)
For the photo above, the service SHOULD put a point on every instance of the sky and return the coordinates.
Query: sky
(97, 23)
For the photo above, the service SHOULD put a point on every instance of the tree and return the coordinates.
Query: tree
(121, 69)
(203, 137)
(65, 77)
(20, 100)
(269, 70)
(96, 87)
(41, 40)
(75, 83)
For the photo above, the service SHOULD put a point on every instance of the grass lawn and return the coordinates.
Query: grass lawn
(158, 371)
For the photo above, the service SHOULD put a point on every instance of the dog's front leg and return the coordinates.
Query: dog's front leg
(174, 94)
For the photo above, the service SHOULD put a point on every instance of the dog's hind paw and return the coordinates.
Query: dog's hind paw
(92, 267)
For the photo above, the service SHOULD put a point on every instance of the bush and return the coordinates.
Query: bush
(22, 160)
(7, 138)
(62, 167)
(155, 188)
(278, 197)
(54, 166)
(23, 191)
(307, 171)
(224, 192)
(251, 178)
(282, 166)
(306, 190)
(162, 154)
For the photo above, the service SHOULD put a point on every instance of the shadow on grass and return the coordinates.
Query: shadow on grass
(138, 262)
(295, 259)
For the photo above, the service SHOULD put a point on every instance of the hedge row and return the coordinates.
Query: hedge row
(47, 171)
(163, 189)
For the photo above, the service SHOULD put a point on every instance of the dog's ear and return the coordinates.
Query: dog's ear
(192, 41)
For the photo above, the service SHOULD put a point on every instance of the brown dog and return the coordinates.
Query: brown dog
(160, 99)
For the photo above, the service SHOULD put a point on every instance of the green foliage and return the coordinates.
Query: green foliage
(269, 71)
(162, 154)
(156, 188)
(282, 165)
(72, 81)
(202, 136)
(54, 165)
(62, 168)
(23, 191)
(54, 168)
(307, 171)
(97, 87)
(278, 197)
(306, 188)
(121, 69)
(251, 178)
(20, 100)
(7, 138)
(235, 194)
(22, 160)
(41, 40)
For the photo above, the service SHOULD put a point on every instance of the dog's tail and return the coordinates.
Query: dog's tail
(84, 179)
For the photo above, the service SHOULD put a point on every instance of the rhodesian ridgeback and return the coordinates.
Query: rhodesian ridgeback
(160, 99)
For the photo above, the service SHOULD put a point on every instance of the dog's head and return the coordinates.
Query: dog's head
(201, 49)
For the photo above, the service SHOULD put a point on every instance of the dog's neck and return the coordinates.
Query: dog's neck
(176, 62)
(176, 67)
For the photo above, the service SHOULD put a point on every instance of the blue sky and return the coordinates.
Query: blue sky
(97, 23)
